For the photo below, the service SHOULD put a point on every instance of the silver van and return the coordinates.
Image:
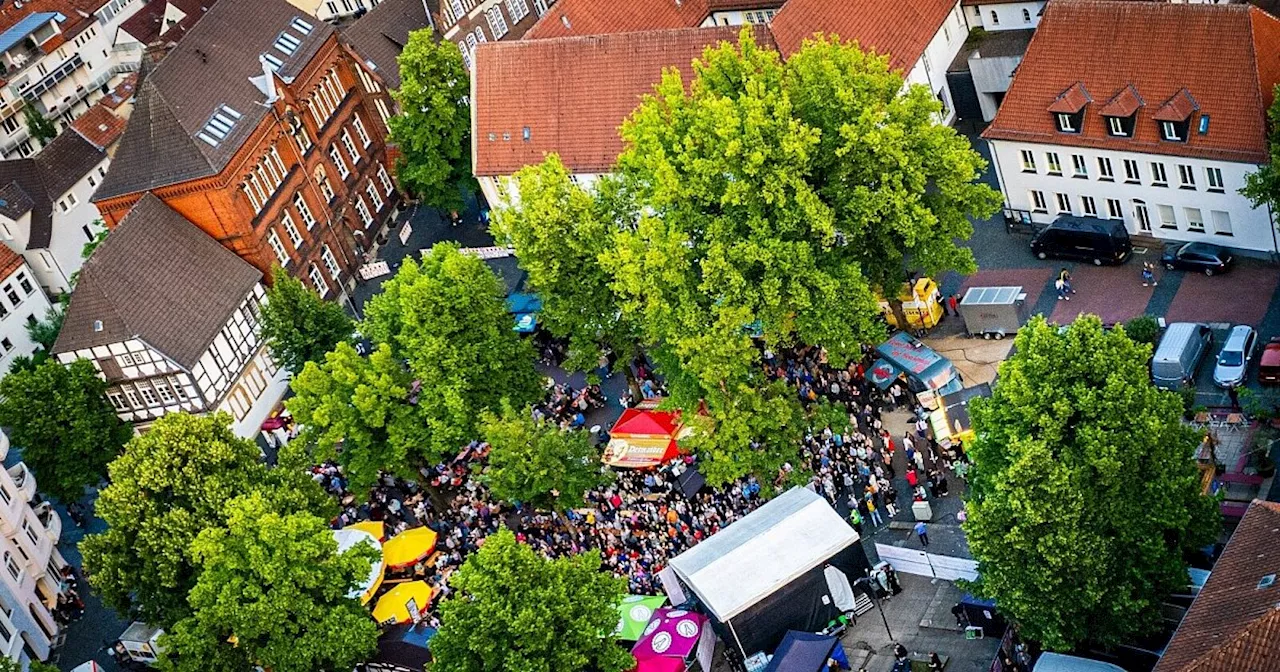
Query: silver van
(1179, 354)
(1057, 662)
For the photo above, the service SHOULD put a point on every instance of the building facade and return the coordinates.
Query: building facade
(1150, 135)
(170, 319)
(282, 158)
(470, 23)
(997, 15)
(21, 303)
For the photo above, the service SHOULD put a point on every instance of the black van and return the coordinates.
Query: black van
(1099, 241)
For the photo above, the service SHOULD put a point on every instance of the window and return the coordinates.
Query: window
(30, 531)
(1166, 217)
(148, 394)
(359, 126)
(13, 295)
(1051, 159)
(330, 263)
(1186, 176)
(273, 239)
(126, 359)
(25, 283)
(374, 197)
(219, 125)
(385, 179)
(132, 397)
(1195, 221)
(1066, 123)
(338, 163)
(317, 280)
(1028, 161)
(518, 10)
(291, 229)
(1114, 209)
(1131, 171)
(1037, 201)
(540, 6)
(1221, 222)
(301, 26)
(303, 211)
(1078, 163)
(117, 400)
(497, 24)
(466, 54)
(14, 570)
(274, 63)
(1064, 203)
(363, 211)
(287, 43)
(1104, 169)
(1115, 126)
(299, 131)
(1088, 206)
(1026, 15)
(1169, 131)
(1158, 177)
(178, 389)
(1214, 177)
(995, 18)
(10, 124)
(479, 35)
(350, 147)
(322, 181)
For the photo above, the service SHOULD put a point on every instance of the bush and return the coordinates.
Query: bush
(1143, 329)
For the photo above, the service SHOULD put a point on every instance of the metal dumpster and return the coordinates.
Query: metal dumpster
(993, 312)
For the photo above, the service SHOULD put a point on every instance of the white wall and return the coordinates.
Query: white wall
(1004, 16)
(27, 598)
(1251, 228)
(501, 191)
(68, 236)
(739, 17)
(931, 69)
(14, 340)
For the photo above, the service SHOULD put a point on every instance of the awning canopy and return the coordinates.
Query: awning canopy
(634, 613)
(347, 539)
(767, 549)
(673, 633)
(644, 438)
(805, 652)
(393, 607)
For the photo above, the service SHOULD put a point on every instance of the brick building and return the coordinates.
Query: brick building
(268, 132)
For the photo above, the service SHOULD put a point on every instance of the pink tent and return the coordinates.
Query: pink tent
(659, 665)
(671, 633)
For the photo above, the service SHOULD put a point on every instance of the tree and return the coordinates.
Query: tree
(358, 411)
(276, 583)
(299, 326)
(447, 318)
(1262, 186)
(34, 666)
(40, 128)
(559, 232)
(516, 610)
(171, 483)
(1084, 496)
(101, 235)
(538, 463)
(433, 129)
(60, 417)
(45, 332)
(1143, 329)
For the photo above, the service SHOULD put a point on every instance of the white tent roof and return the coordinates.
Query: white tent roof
(767, 549)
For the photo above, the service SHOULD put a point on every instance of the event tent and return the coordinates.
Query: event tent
(806, 652)
(347, 539)
(644, 438)
(673, 633)
(764, 574)
(634, 613)
(659, 665)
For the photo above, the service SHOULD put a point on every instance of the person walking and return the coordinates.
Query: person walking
(923, 533)
(1065, 276)
(1148, 274)
(1062, 289)
(953, 304)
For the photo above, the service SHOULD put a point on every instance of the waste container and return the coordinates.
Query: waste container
(922, 510)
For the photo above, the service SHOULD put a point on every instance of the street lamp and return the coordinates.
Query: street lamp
(865, 583)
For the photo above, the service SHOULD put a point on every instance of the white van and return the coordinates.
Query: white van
(1057, 662)
(1179, 354)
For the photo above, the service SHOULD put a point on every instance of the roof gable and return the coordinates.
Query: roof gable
(1072, 100)
(900, 28)
(381, 35)
(1123, 104)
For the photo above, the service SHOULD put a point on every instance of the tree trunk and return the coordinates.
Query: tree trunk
(900, 315)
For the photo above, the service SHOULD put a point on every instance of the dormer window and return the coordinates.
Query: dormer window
(1169, 131)
(1068, 108)
(1067, 123)
(1120, 110)
(1174, 117)
(1115, 126)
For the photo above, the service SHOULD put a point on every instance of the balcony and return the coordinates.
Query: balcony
(51, 80)
(51, 521)
(24, 480)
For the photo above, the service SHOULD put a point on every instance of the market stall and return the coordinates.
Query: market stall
(672, 633)
(348, 538)
(634, 613)
(525, 308)
(926, 373)
(921, 305)
(951, 421)
(644, 438)
(807, 652)
(409, 547)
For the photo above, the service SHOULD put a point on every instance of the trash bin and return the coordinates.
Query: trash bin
(922, 510)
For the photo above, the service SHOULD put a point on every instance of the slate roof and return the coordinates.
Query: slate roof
(33, 184)
(209, 68)
(900, 28)
(568, 18)
(380, 35)
(145, 24)
(160, 278)
(573, 93)
(1234, 623)
(1226, 57)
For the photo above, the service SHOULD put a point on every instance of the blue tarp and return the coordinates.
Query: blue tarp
(25, 27)
(806, 652)
(525, 307)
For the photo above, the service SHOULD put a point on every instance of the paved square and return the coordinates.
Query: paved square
(1239, 297)
(1114, 293)
(1032, 280)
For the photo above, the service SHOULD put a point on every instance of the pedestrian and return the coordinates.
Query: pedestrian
(875, 513)
(935, 663)
(923, 533)
(953, 304)
(1234, 394)
(1148, 275)
(1065, 276)
(1062, 289)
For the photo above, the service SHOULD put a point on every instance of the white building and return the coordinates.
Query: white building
(1158, 132)
(21, 302)
(32, 576)
(45, 212)
(170, 318)
(59, 58)
(994, 15)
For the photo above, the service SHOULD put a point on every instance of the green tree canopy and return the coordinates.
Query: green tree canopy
(559, 231)
(776, 197)
(1084, 496)
(1262, 186)
(357, 410)
(40, 128)
(299, 326)
(278, 585)
(536, 462)
(171, 483)
(59, 416)
(45, 331)
(448, 319)
(516, 610)
(433, 128)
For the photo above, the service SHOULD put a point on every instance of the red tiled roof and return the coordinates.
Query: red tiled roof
(1122, 104)
(900, 28)
(567, 18)
(573, 93)
(1072, 100)
(99, 126)
(1178, 108)
(1233, 624)
(1226, 56)
(122, 93)
(9, 261)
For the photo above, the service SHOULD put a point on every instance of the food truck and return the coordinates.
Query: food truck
(927, 374)
(921, 305)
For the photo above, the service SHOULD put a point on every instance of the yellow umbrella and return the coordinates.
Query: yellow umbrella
(374, 527)
(408, 547)
(394, 606)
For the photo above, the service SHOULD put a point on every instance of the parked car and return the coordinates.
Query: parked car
(1179, 354)
(1234, 358)
(1269, 363)
(1198, 257)
(1098, 241)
